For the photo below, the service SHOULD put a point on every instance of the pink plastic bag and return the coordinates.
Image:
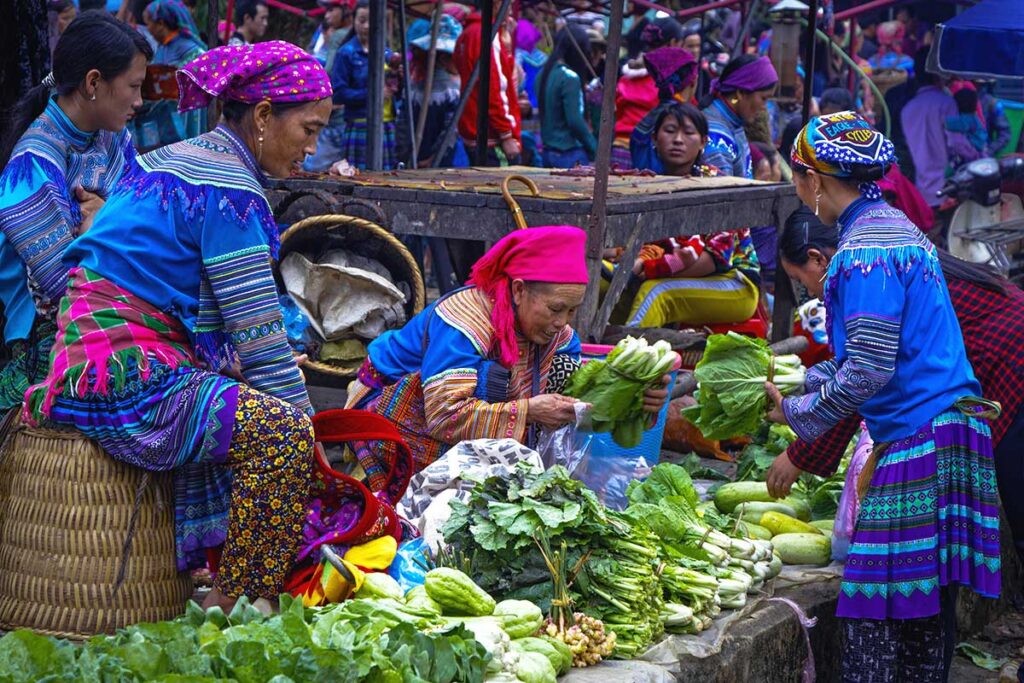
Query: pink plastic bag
(849, 503)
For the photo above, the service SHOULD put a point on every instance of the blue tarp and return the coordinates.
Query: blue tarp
(985, 41)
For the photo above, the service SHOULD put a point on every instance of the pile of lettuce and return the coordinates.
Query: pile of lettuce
(360, 640)
(731, 398)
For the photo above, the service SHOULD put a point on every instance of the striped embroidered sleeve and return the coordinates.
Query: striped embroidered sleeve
(39, 219)
(452, 368)
(871, 327)
(243, 285)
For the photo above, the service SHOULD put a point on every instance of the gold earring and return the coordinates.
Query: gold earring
(734, 101)
(259, 149)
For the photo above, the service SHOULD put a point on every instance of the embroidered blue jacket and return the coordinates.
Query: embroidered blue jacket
(727, 147)
(39, 214)
(190, 231)
(899, 352)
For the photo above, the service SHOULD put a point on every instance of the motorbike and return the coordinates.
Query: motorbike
(987, 225)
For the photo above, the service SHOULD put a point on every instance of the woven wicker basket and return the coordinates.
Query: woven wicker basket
(317, 234)
(65, 511)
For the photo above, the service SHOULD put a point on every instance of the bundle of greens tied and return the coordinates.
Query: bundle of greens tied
(731, 376)
(615, 386)
(655, 566)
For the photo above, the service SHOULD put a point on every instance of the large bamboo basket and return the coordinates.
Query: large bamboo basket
(317, 234)
(65, 512)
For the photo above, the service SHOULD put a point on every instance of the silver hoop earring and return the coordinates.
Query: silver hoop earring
(92, 99)
(817, 203)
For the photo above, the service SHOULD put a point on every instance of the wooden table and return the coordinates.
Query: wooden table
(467, 204)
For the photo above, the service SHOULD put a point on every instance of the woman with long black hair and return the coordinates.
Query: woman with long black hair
(64, 152)
(568, 140)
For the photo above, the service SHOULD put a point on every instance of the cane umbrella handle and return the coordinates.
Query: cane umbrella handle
(513, 205)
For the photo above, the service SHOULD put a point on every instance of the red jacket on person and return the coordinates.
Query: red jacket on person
(505, 119)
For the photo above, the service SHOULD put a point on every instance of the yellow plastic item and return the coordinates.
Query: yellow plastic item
(377, 554)
(336, 584)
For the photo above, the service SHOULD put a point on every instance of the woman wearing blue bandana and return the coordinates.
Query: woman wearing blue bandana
(929, 515)
(158, 123)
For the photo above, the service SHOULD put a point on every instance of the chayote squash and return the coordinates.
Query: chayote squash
(563, 650)
(533, 667)
(457, 593)
(545, 648)
(378, 585)
(417, 598)
(521, 618)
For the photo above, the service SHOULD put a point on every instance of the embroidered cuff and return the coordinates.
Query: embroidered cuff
(492, 382)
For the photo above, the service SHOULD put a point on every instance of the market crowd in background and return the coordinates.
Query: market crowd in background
(699, 97)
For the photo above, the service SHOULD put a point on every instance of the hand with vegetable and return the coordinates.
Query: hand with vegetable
(781, 476)
(776, 414)
(551, 410)
(655, 397)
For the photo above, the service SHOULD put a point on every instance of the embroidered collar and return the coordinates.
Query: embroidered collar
(855, 211)
(732, 117)
(243, 153)
(77, 139)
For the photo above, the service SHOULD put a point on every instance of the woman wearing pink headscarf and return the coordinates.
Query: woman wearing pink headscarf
(890, 49)
(171, 291)
(485, 361)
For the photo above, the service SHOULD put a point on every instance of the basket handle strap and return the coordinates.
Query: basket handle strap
(346, 424)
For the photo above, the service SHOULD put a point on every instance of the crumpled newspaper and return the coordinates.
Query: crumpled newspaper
(425, 503)
(342, 299)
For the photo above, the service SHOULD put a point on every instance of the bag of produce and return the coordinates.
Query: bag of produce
(615, 387)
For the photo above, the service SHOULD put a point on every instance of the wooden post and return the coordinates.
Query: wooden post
(375, 104)
(588, 323)
(428, 86)
(812, 24)
(483, 98)
(408, 122)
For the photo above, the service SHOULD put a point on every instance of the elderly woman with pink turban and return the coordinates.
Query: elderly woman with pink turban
(171, 291)
(485, 361)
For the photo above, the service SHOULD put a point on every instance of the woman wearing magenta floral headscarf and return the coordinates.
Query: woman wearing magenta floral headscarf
(486, 361)
(929, 513)
(173, 286)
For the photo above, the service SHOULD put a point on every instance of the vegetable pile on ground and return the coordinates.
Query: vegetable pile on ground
(359, 640)
(447, 631)
(496, 531)
(615, 386)
(656, 565)
(787, 521)
(731, 399)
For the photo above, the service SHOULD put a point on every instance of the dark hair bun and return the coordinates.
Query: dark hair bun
(865, 173)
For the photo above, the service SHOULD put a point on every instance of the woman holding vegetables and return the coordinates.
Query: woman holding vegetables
(929, 518)
(485, 361)
(991, 315)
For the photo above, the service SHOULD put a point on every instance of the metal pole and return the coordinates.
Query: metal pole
(405, 70)
(375, 89)
(812, 24)
(228, 18)
(428, 86)
(211, 36)
(866, 7)
(707, 7)
(588, 316)
(448, 139)
(483, 98)
(741, 42)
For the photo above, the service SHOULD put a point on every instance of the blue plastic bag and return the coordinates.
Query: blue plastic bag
(409, 567)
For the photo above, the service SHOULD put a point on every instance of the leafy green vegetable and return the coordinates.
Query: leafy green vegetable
(980, 658)
(361, 640)
(615, 387)
(731, 400)
(664, 480)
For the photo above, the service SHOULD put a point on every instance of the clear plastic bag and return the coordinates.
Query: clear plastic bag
(849, 503)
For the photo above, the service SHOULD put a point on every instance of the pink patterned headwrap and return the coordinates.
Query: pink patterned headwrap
(553, 254)
(276, 71)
